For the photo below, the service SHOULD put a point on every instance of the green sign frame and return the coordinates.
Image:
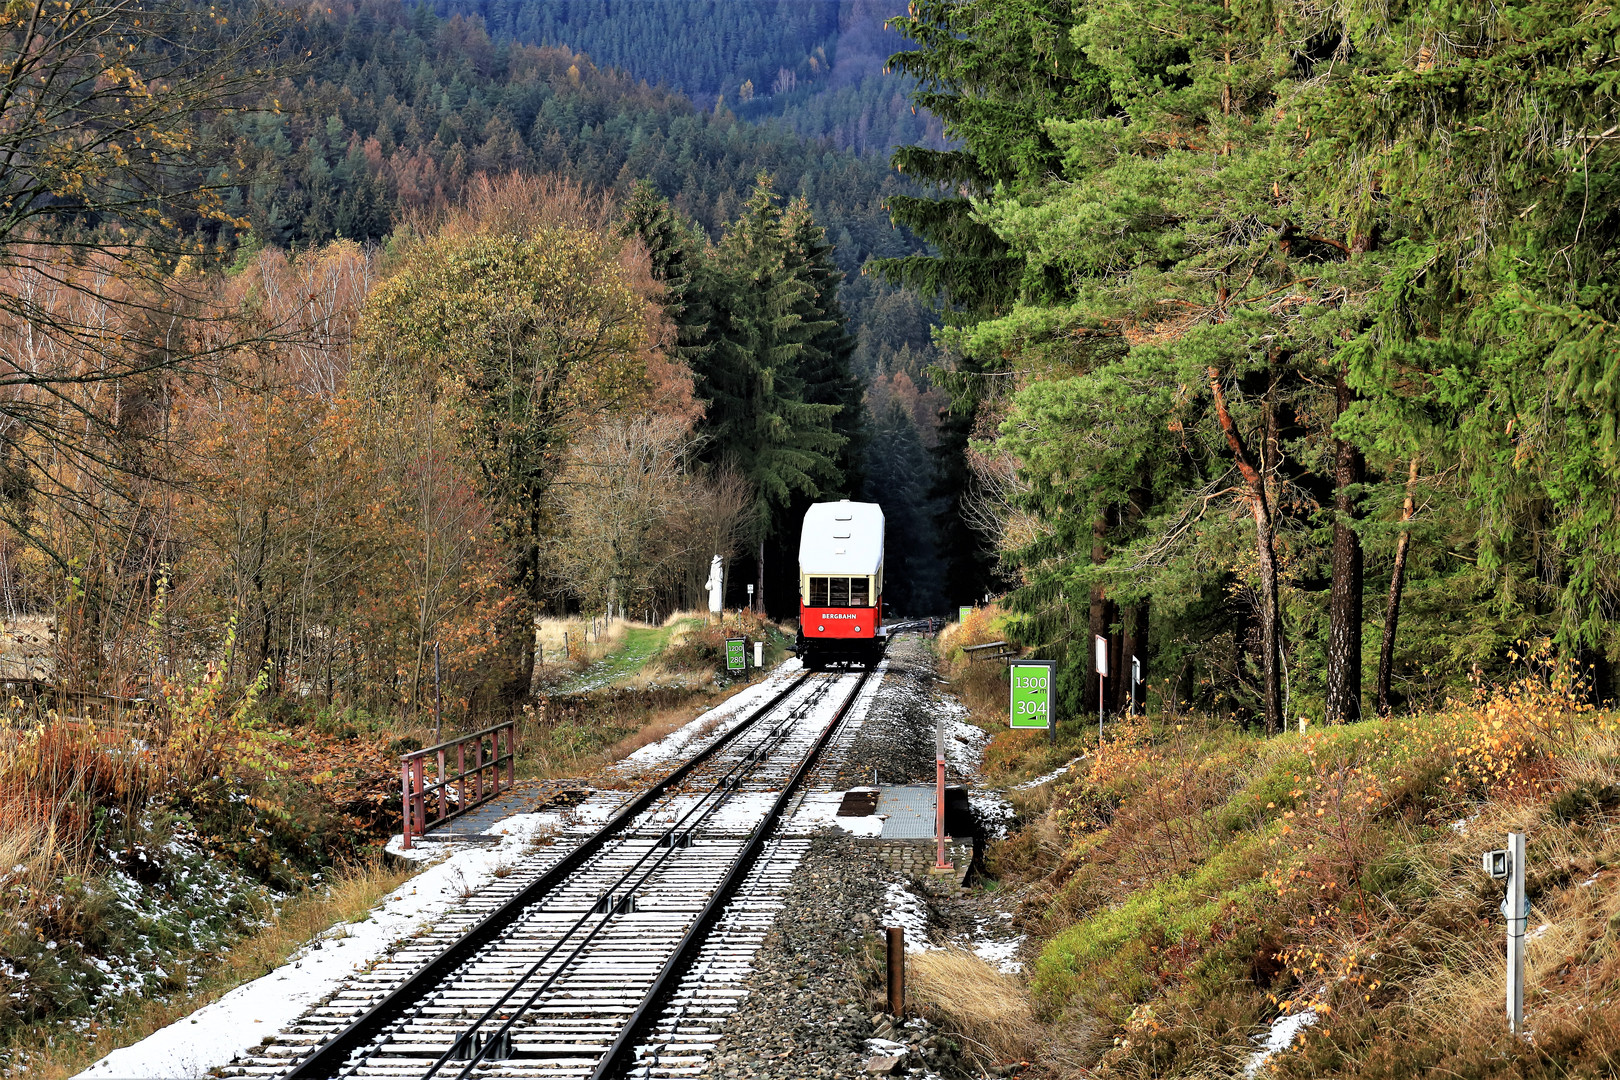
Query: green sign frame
(963, 612)
(1029, 705)
(736, 654)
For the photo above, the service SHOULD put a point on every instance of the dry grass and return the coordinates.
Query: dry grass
(53, 778)
(989, 1010)
(349, 894)
(546, 756)
(584, 645)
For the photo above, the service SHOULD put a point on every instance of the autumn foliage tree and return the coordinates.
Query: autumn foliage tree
(529, 332)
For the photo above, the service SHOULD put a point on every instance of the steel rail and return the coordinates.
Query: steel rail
(725, 786)
(617, 1061)
(327, 1060)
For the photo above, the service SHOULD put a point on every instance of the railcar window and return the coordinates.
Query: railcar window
(818, 592)
(858, 593)
(838, 595)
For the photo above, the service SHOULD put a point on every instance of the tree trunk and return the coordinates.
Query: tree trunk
(1259, 506)
(1099, 612)
(1134, 645)
(1343, 704)
(1134, 619)
(1392, 607)
(759, 581)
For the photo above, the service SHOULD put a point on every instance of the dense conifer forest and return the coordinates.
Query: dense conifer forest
(819, 67)
(1283, 338)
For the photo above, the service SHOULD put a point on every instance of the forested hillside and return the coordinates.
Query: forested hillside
(1285, 338)
(397, 108)
(820, 67)
(403, 108)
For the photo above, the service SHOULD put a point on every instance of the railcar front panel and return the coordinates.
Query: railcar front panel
(841, 583)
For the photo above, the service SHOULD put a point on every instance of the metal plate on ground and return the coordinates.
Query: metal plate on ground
(908, 812)
(861, 802)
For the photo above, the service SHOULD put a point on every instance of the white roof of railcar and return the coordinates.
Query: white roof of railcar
(842, 538)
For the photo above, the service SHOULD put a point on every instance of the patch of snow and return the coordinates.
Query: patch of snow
(964, 743)
(905, 909)
(1281, 1036)
(994, 814)
(713, 723)
(1003, 955)
(870, 826)
(1049, 777)
(220, 1033)
(1538, 931)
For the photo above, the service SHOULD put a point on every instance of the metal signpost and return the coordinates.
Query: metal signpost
(1100, 644)
(1030, 705)
(1138, 698)
(939, 796)
(736, 654)
(750, 597)
(1508, 864)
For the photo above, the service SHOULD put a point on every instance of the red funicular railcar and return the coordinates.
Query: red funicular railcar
(841, 584)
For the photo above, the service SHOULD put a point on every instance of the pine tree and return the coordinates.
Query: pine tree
(765, 319)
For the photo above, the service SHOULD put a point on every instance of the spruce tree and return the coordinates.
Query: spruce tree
(764, 325)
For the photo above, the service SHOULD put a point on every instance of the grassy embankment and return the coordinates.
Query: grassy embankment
(635, 686)
(148, 868)
(1195, 881)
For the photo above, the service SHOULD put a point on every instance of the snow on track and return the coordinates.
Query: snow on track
(694, 735)
(228, 1029)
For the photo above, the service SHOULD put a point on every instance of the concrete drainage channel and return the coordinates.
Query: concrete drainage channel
(619, 957)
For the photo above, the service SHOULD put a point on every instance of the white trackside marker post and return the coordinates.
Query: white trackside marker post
(1508, 864)
(1517, 916)
(939, 796)
(1100, 645)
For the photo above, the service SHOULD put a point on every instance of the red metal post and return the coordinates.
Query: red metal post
(939, 815)
(444, 794)
(461, 772)
(495, 772)
(405, 801)
(418, 803)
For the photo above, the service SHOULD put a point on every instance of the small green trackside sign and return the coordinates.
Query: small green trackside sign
(1031, 705)
(736, 654)
(962, 613)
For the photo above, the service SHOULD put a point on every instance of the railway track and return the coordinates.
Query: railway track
(616, 958)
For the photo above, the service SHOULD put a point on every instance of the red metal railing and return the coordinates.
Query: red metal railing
(419, 792)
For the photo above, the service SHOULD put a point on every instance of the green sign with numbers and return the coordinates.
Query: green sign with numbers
(962, 613)
(1031, 705)
(736, 654)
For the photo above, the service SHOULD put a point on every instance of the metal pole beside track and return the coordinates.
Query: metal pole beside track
(897, 970)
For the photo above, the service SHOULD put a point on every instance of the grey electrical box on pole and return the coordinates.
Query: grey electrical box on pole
(1507, 864)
